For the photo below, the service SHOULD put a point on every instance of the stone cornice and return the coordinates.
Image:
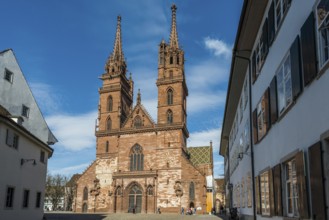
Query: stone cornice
(148, 129)
(134, 174)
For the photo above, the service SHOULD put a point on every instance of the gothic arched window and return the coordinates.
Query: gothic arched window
(136, 158)
(85, 193)
(150, 190)
(119, 191)
(191, 191)
(107, 147)
(170, 97)
(110, 104)
(137, 122)
(170, 117)
(109, 124)
(177, 59)
(171, 60)
(171, 74)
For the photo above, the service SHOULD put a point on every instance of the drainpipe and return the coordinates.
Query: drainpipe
(251, 130)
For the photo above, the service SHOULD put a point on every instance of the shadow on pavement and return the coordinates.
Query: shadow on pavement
(66, 216)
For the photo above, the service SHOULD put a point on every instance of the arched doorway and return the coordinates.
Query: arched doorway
(135, 199)
(84, 208)
(191, 204)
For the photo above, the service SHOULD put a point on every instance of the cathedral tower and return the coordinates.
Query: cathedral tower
(172, 89)
(116, 94)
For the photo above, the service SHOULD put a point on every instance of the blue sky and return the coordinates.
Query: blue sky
(62, 47)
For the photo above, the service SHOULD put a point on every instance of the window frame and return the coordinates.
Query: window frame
(170, 96)
(264, 185)
(85, 193)
(8, 75)
(109, 124)
(290, 182)
(38, 200)
(9, 202)
(26, 199)
(138, 123)
(136, 158)
(191, 191)
(261, 131)
(319, 25)
(170, 117)
(42, 156)
(25, 111)
(110, 104)
(286, 76)
(283, 12)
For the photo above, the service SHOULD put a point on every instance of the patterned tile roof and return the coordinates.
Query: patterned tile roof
(200, 155)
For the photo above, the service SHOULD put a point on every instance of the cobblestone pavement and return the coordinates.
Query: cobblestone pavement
(105, 216)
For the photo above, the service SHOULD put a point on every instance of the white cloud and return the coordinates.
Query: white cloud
(202, 138)
(47, 99)
(206, 74)
(218, 47)
(200, 101)
(71, 169)
(74, 132)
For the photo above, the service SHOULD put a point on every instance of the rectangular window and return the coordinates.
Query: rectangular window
(323, 30)
(38, 200)
(42, 156)
(8, 76)
(25, 111)
(15, 141)
(284, 85)
(265, 193)
(261, 130)
(246, 135)
(10, 197)
(245, 91)
(241, 108)
(12, 139)
(281, 7)
(26, 195)
(291, 188)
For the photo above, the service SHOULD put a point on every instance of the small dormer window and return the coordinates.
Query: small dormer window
(25, 111)
(8, 76)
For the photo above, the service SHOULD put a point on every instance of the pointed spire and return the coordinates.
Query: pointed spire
(139, 99)
(117, 54)
(173, 35)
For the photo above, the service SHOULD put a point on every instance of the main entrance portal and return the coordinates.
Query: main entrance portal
(135, 199)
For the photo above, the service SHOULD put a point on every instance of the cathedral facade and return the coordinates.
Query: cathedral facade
(141, 165)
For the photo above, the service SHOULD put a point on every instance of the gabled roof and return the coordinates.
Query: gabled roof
(73, 180)
(140, 110)
(4, 111)
(200, 155)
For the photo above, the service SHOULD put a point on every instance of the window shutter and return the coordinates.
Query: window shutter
(301, 185)
(308, 50)
(254, 126)
(267, 123)
(265, 39)
(257, 195)
(271, 25)
(277, 187)
(270, 180)
(253, 65)
(317, 179)
(10, 138)
(273, 102)
(295, 68)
